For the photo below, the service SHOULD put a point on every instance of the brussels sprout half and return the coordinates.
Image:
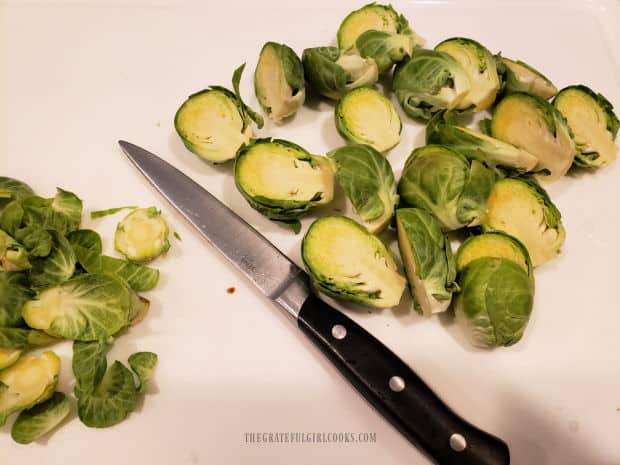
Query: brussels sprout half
(521, 77)
(593, 122)
(13, 255)
(369, 17)
(523, 209)
(368, 181)
(142, 235)
(39, 420)
(282, 180)
(279, 81)
(27, 382)
(428, 260)
(428, 82)
(495, 301)
(365, 116)
(534, 125)
(494, 244)
(347, 262)
(446, 184)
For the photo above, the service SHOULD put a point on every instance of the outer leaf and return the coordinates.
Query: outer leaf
(57, 267)
(473, 200)
(385, 48)
(63, 212)
(13, 256)
(38, 241)
(13, 189)
(20, 338)
(109, 211)
(89, 365)
(86, 245)
(143, 364)
(11, 217)
(246, 111)
(14, 293)
(39, 420)
(138, 277)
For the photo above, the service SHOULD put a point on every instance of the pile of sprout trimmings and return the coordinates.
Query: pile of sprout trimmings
(56, 284)
(484, 182)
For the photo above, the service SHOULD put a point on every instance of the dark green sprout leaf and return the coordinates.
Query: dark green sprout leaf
(246, 111)
(14, 293)
(139, 277)
(89, 365)
(13, 189)
(143, 364)
(20, 338)
(110, 211)
(86, 245)
(13, 255)
(57, 267)
(37, 241)
(62, 213)
(385, 48)
(11, 217)
(485, 126)
(39, 420)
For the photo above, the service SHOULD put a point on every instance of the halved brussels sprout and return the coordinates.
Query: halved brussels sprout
(13, 255)
(282, 180)
(521, 77)
(365, 116)
(86, 308)
(494, 304)
(347, 262)
(39, 420)
(368, 181)
(27, 382)
(532, 124)
(428, 82)
(428, 260)
(8, 357)
(523, 209)
(593, 122)
(446, 184)
(14, 293)
(13, 189)
(494, 244)
(476, 145)
(215, 122)
(479, 65)
(332, 73)
(279, 81)
(369, 17)
(142, 235)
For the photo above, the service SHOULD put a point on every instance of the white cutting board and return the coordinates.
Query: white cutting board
(75, 76)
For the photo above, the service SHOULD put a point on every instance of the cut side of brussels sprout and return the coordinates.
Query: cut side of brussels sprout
(27, 382)
(521, 77)
(494, 304)
(13, 255)
(366, 116)
(368, 181)
(8, 357)
(493, 244)
(523, 210)
(39, 420)
(593, 123)
(532, 124)
(282, 180)
(142, 235)
(347, 262)
(428, 260)
(481, 70)
(369, 17)
(279, 81)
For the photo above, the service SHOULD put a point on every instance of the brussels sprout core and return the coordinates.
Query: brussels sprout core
(142, 235)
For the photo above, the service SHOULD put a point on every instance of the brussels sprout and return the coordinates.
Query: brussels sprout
(532, 124)
(281, 180)
(523, 209)
(62, 213)
(13, 255)
(495, 301)
(14, 293)
(142, 235)
(13, 189)
(27, 382)
(138, 277)
(86, 308)
(368, 181)
(279, 81)
(428, 260)
(214, 122)
(39, 420)
(494, 244)
(87, 247)
(57, 267)
(143, 364)
(366, 116)
(332, 73)
(429, 82)
(479, 65)
(21, 338)
(444, 183)
(477, 146)
(521, 77)
(593, 123)
(347, 262)
(8, 357)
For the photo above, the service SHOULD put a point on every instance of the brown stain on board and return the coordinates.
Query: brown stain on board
(231, 290)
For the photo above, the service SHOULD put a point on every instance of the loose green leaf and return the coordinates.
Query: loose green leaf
(177, 236)
(39, 420)
(246, 111)
(89, 365)
(110, 211)
(57, 267)
(86, 245)
(62, 213)
(14, 293)
(13, 255)
(143, 364)
(139, 277)
(11, 217)
(37, 241)
(13, 189)
(20, 338)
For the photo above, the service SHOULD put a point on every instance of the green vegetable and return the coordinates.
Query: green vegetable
(87, 247)
(534, 125)
(429, 82)
(477, 146)
(20, 338)
(214, 123)
(446, 184)
(495, 301)
(520, 77)
(37, 241)
(494, 244)
(57, 267)
(142, 235)
(62, 213)
(89, 365)
(366, 116)
(177, 236)
(8, 357)
(13, 255)
(39, 420)
(593, 122)
(347, 262)
(14, 293)
(367, 179)
(522, 209)
(279, 81)
(109, 211)
(13, 189)
(86, 308)
(11, 217)
(332, 73)
(138, 277)
(428, 260)
(143, 364)
(282, 180)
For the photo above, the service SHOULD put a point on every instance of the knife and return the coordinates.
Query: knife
(378, 374)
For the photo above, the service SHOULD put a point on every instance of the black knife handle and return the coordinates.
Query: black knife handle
(396, 391)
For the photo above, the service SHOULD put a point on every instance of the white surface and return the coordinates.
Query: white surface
(76, 76)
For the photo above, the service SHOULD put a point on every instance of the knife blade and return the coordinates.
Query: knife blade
(389, 384)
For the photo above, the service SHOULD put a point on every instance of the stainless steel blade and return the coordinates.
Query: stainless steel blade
(270, 270)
